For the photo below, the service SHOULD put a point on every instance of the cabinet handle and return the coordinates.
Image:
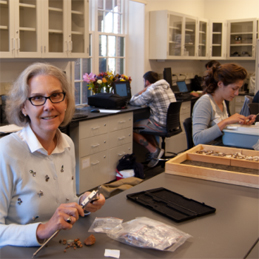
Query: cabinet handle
(13, 44)
(95, 163)
(66, 42)
(71, 45)
(121, 154)
(18, 44)
(95, 128)
(97, 145)
(122, 122)
(121, 138)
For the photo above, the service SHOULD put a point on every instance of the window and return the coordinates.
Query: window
(107, 44)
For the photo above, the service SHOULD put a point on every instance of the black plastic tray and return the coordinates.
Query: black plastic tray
(171, 204)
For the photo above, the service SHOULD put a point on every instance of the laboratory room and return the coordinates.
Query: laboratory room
(129, 129)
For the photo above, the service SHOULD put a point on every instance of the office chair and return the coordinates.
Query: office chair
(173, 127)
(187, 124)
(254, 109)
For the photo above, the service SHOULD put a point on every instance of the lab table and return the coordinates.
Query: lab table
(230, 232)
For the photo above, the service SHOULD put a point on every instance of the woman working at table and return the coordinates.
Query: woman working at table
(37, 169)
(210, 115)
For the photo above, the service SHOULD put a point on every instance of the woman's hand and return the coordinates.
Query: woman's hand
(250, 119)
(64, 213)
(95, 205)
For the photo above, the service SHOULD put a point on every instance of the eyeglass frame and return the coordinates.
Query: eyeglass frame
(47, 97)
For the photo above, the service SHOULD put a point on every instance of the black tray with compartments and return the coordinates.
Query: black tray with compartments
(171, 204)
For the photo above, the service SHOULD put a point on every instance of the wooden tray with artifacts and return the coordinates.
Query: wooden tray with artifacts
(218, 163)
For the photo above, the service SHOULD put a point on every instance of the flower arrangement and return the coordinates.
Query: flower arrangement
(103, 81)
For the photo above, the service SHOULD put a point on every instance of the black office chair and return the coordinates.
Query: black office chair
(187, 124)
(173, 127)
(254, 109)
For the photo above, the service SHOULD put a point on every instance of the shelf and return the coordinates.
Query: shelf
(28, 5)
(77, 12)
(77, 33)
(189, 30)
(3, 27)
(217, 33)
(174, 28)
(202, 32)
(173, 42)
(56, 31)
(53, 9)
(216, 45)
(27, 29)
(235, 33)
(242, 44)
(3, 2)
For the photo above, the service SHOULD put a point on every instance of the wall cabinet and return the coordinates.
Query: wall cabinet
(99, 144)
(43, 29)
(178, 36)
(242, 35)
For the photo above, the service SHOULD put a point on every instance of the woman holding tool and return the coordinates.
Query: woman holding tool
(210, 115)
(37, 169)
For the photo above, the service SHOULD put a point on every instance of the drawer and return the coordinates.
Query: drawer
(89, 146)
(93, 172)
(92, 128)
(120, 137)
(116, 154)
(120, 121)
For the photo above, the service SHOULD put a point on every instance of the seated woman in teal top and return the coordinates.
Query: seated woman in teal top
(210, 114)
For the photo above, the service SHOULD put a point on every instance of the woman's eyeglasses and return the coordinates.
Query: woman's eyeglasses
(41, 100)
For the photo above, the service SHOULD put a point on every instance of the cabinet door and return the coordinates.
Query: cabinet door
(190, 25)
(27, 28)
(78, 27)
(241, 39)
(217, 40)
(6, 29)
(203, 39)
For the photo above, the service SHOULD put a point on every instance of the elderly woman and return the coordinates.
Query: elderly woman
(37, 169)
(210, 115)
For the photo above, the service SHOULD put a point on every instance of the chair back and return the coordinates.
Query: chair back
(188, 131)
(173, 124)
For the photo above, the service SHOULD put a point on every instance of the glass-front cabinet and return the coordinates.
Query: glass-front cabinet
(217, 40)
(242, 36)
(20, 28)
(42, 29)
(203, 39)
(189, 37)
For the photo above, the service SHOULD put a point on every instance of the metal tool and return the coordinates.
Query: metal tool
(90, 198)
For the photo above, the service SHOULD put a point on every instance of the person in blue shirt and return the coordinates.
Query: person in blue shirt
(37, 169)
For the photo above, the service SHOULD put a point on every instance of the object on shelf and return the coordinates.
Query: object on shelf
(238, 39)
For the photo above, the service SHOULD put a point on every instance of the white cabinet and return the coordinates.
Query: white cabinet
(99, 144)
(172, 35)
(242, 36)
(42, 29)
(203, 39)
(217, 49)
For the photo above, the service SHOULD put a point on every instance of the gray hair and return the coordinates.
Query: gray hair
(20, 91)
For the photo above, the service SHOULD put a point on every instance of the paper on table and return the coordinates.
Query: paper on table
(108, 111)
(112, 253)
(10, 128)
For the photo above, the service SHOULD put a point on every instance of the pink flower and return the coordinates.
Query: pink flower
(89, 77)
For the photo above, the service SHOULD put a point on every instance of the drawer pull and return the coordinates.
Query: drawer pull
(95, 128)
(121, 154)
(95, 163)
(122, 122)
(97, 145)
(121, 138)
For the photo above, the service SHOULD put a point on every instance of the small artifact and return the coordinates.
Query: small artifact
(90, 240)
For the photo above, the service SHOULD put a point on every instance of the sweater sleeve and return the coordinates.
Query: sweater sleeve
(142, 99)
(201, 118)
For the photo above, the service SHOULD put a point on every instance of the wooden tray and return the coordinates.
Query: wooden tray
(176, 166)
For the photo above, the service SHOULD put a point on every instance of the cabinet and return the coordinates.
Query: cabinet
(99, 144)
(203, 42)
(217, 41)
(172, 35)
(242, 36)
(42, 29)
(178, 143)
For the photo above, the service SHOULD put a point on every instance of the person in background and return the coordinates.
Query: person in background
(37, 169)
(158, 95)
(210, 115)
(211, 63)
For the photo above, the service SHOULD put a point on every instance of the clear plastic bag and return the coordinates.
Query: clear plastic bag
(103, 225)
(148, 233)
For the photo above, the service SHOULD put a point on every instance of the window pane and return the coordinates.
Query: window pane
(86, 66)
(85, 93)
(77, 93)
(108, 5)
(102, 65)
(111, 65)
(108, 22)
(100, 21)
(120, 65)
(117, 5)
(77, 70)
(117, 23)
(102, 45)
(100, 4)
(120, 46)
(111, 46)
